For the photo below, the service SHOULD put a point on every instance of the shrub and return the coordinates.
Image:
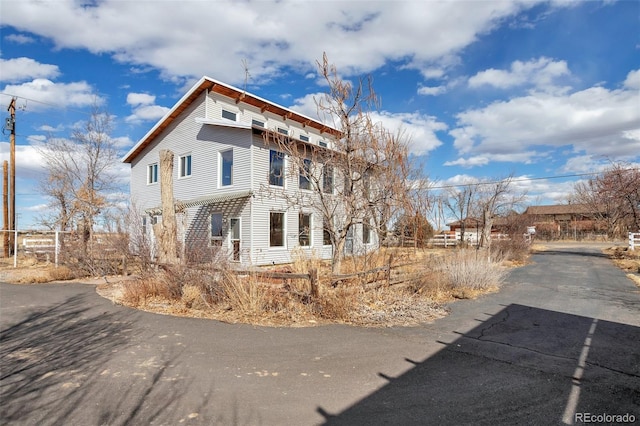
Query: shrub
(470, 269)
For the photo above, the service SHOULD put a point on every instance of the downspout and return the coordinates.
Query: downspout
(251, 231)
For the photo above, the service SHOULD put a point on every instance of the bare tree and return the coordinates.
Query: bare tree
(79, 174)
(494, 199)
(360, 178)
(613, 197)
(460, 202)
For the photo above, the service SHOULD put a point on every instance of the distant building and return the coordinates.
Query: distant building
(564, 219)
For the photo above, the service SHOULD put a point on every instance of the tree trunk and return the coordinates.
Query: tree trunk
(167, 241)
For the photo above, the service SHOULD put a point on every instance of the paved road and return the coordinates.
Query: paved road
(561, 339)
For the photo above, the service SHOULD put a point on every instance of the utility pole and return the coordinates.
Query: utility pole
(5, 207)
(12, 173)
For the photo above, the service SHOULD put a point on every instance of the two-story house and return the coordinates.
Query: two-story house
(227, 176)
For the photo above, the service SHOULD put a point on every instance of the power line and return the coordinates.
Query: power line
(523, 179)
(57, 106)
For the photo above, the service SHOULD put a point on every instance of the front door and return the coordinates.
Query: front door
(234, 237)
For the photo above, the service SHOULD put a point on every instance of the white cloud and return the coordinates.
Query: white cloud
(633, 80)
(144, 108)
(358, 37)
(55, 95)
(136, 99)
(19, 39)
(595, 121)
(50, 129)
(540, 73)
(23, 69)
(432, 91)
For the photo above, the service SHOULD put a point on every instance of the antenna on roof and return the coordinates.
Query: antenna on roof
(247, 74)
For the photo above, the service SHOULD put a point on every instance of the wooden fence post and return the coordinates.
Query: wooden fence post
(313, 282)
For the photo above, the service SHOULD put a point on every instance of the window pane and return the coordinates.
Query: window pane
(276, 168)
(228, 115)
(304, 174)
(227, 167)
(304, 225)
(153, 173)
(257, 123)
(326, 235)
(276, 229)
(327, 179)
(366, 232)
(185, 166)
(216, 228)
(283, 131)
(304, 138)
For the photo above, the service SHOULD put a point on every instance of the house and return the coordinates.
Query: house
(565, 219)
(230, 183)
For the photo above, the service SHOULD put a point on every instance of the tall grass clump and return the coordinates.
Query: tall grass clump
(470, 269)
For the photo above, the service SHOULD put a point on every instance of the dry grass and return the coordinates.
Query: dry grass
(627, 260)
(417, 294)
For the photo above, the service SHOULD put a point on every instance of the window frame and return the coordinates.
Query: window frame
(303, 175)
(272, 231)
(328, 179)
(304, 231)
(258, 123)
(152, 173)
(181, 166)
(275, 180)
(326, 235)
(221, 163)
(217, 238)
(226, 114)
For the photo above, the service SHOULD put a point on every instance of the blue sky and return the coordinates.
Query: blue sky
(484, 89)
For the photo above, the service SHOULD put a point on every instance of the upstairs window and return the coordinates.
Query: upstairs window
(322, 143)
(327, 179)
(185, 165)
(305, 172)
(304, 138)
(276, 168)
(304, 229)
(257, 123)
(226, 168)
(152, 173)
(229, 115)
(283, 131)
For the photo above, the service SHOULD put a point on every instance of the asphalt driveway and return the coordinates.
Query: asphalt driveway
(561, 340)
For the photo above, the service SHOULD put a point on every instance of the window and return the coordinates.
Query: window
(226, 168)
(327, 179)
(144, 226)
(322, 143)
(366, 231)
(185, 165)
(305, 172)
(276, 168)
(216, 230)
(257, 123)
(276, 229)
(228, 115)
(326, 234)
(304, 138)
(304, 227)
(283, 131)
(152, 173)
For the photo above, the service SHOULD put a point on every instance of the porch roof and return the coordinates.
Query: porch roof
(221, 200)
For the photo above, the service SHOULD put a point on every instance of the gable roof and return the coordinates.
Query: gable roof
(238, 95)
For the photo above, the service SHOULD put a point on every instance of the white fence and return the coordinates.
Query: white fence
(634, 240)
